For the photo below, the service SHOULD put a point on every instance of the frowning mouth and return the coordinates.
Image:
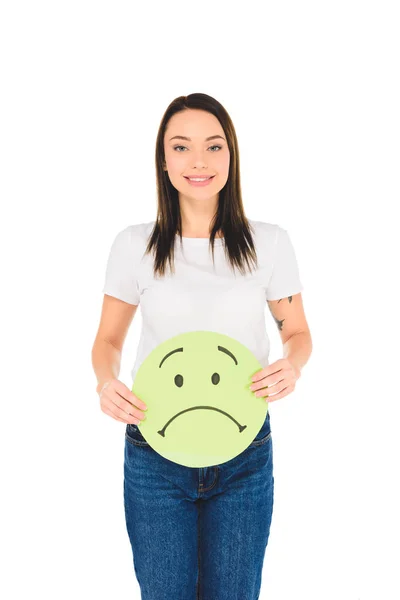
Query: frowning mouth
(240, 427)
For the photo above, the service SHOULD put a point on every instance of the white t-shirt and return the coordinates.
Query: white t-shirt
(200, 296)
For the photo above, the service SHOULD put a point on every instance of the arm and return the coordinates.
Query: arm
(294, 332)
(106, 362)
(116, 317)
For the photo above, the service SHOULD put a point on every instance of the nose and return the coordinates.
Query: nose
(199, 161)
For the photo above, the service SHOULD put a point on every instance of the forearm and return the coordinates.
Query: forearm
(106, 362)
(298, 349)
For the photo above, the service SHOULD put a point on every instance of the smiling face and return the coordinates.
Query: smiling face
(201, 411)
(195, 144)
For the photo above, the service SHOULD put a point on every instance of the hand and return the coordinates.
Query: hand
(117, 401)
(278, 378)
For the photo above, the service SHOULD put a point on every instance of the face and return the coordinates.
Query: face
(195, 154)
(201, 411)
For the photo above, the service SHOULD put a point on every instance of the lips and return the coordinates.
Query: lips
(202, 177)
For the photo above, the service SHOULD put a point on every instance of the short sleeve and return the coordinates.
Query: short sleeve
(121, 270)
(285, 278)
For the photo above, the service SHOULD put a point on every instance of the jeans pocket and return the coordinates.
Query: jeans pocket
(134, 435)
(264, 434)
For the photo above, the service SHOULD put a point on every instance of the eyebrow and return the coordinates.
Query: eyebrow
(212, 137)
(220, 348)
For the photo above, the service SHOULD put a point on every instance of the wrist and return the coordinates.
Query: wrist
(101, 385)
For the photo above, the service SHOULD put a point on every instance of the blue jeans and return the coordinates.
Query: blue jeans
(198, 533)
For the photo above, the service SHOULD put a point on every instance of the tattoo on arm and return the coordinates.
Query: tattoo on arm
(280, 322)
(289, 298)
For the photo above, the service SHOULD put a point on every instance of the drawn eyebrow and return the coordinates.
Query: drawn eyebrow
(169, 354)
(212, 137)
(220, 348)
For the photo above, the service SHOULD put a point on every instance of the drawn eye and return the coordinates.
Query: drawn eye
(178, 380)
(215, 378)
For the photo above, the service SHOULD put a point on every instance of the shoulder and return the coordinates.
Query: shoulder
(135, 235)
(265, 233)
(264, 227)
(130, 242)
(270, 232)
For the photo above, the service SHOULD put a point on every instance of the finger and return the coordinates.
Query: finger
(277, 388)
(125, 405)
(267, 371)
(134, 415)
(121, 415)
(272, 380)
(268, 389)
(279, 395)
(261, 393)
(126, 393)
(111, 414)
(135, 400)
(130, 414)
(258, 386)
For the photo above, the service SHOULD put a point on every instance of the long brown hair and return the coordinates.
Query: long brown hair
(229, 219)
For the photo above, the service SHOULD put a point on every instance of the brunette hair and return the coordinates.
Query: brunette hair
(229, 219)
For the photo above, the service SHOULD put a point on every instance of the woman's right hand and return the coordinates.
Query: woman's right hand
(117, 401)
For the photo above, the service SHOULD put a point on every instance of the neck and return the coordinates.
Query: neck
(197, 215)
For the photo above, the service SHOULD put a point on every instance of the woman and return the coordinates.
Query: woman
(199, 532)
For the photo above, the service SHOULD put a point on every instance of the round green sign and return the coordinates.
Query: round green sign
(201, 411)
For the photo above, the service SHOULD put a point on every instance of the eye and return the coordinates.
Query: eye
(215, 146)
(178, 380)
(215, 378)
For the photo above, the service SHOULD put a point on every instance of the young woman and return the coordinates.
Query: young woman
(199, 532)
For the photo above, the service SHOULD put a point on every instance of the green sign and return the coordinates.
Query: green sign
(201, 411)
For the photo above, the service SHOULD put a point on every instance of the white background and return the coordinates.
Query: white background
(313, 91)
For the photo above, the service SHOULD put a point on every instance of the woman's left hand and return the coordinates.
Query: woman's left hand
(278, 378)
